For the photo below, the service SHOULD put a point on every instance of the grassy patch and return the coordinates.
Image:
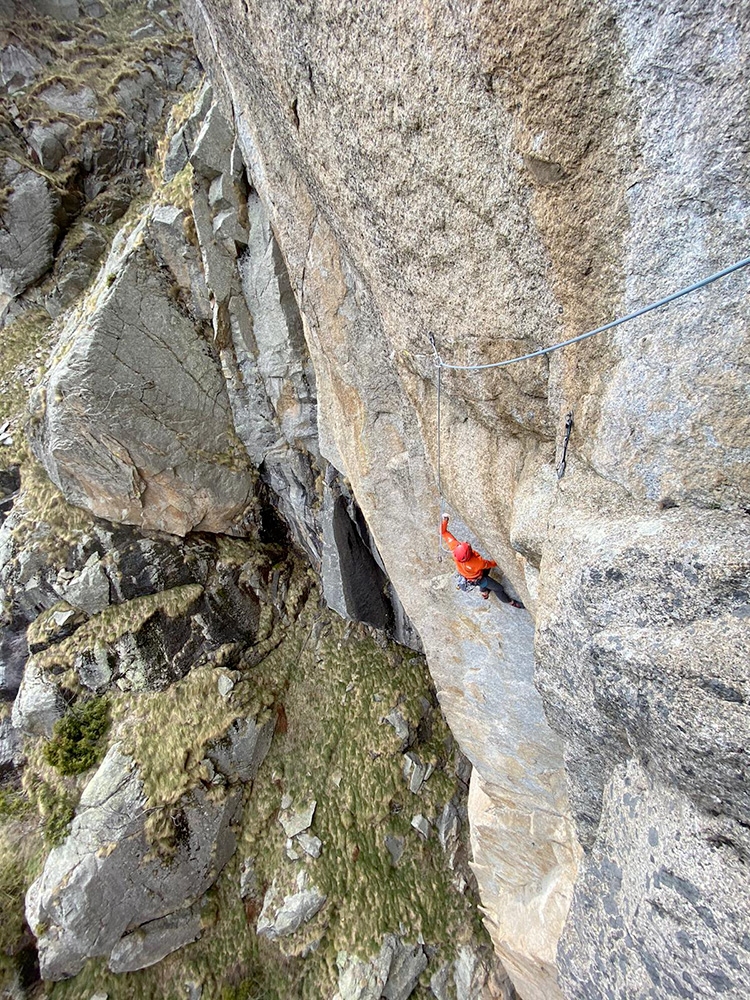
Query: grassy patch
(24, 345)
(329, 685)
(20, 863)
(48, 520)
(77, 739)
(13, 804)
(335, 685)
(338, 693)
(115, 621)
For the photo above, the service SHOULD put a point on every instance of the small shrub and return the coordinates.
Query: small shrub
(77, 739)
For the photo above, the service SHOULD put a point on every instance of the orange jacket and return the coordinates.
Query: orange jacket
(471, 568)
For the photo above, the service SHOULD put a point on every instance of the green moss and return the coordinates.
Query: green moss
(336, 703)
(57, 822)
(77, 742)
(330, 685)
(52, 796)
(13, 804)
(167, 733)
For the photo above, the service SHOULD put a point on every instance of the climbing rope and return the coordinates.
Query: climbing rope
(440, 364)
(600, 329)
(439, 482)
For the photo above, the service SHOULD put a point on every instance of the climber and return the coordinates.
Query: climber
(474, 570)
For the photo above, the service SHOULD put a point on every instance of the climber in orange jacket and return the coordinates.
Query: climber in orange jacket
(473, 568)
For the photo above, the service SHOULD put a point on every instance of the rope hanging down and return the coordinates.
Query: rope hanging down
(440, 364)
(600, 329)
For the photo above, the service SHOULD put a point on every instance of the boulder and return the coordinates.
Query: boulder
(213, 145)
(39, 703)
(283, 915)
(298, 820)
(153, 941)
(407, 964)
(133, 420)
(75, 266)
(48, 141)
(28, 228)
(393, 974)
(14, 652)
(11, 746)
(310, 844)
(89, 589)
(166, 236)
(182, 142)
(395, 846)
(81, 103)
(239, 753)
(18, 67)
(61, 10)
(104, 883)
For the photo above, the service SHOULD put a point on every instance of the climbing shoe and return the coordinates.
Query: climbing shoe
(485, 595)
(516, 604)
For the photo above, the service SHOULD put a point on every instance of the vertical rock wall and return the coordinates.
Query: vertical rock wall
(506, 176)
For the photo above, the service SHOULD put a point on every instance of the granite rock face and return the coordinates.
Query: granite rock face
(664, 882)
(629, 598)
(507, 177)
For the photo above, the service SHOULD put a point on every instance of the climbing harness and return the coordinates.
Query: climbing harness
(440, 364)
(568, 428)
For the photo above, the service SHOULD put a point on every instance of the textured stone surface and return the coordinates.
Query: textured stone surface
(89, 590)
(39, 703)
(48, 142)
(283, 914)
(103, 883)
(508, 176)
(133, 421)
(152, 942)
(239, 754)
(27, 229)
(297, 820)
(664, 883)
(629, 596)
(393, 973)
(11, 746)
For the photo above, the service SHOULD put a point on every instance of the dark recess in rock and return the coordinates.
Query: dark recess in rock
(364, 582)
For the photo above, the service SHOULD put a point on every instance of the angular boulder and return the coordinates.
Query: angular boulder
(104, 883)
(283, 915)
(28, 230)
(393, 974)
(39, 703)
(133, 421)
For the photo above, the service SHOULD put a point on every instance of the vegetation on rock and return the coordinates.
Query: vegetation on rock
(77, 739)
